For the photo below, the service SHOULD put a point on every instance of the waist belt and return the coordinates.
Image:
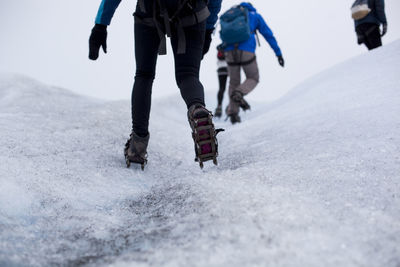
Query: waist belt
(243, 63)
(164, 27)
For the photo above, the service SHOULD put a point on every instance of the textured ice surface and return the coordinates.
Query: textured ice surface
(310, 180)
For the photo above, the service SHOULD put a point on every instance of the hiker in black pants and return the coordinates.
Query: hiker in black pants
(222, 78)
(189, 24)
(367, 28)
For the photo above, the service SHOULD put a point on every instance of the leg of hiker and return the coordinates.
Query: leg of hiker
(222, 78)
(146, 48)
(187, 66)
(234, 82)
(251, 72)
(241, 59)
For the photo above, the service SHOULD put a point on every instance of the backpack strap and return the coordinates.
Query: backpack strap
(258, 39)
(142, 6)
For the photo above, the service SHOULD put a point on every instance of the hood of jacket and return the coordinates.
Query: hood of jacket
(248, 6)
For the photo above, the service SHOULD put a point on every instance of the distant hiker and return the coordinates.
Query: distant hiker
(368, 15)
(189, 24)
(239, 27)
(222, 78)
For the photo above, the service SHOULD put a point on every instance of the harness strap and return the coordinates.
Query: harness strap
(243, 63)
(190, 20)
(181, 38)
(165, 27)
(165, 15)
(179, 9)
(162, 49)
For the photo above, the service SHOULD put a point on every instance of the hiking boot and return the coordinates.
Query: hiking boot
(237, 96)
(136, 150)
(218, 112)
(204, 134)
(235, 118)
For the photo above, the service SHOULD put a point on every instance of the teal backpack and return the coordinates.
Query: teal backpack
(235, 27)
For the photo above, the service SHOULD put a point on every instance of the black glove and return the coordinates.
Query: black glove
(384, 29)
(97, 38)
(207, 41)
(281, 61)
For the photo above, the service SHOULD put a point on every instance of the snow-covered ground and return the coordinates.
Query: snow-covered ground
(310, 180)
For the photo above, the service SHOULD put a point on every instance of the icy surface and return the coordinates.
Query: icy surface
(310, 180)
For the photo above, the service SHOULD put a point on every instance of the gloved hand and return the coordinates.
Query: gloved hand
(207, 41)
(281, 61)
(384, 29)
(97, 39)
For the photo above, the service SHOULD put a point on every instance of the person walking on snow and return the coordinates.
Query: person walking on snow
(367, 28)
(242, 56)
(189, 24)
(222, 78)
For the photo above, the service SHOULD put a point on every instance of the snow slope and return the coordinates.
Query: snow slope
(310, 180)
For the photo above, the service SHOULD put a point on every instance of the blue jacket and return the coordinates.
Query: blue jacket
(376, 16)
(108, 7)
(257, 23)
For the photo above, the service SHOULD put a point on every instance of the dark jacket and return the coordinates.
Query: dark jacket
(108, 7)
(376, 16)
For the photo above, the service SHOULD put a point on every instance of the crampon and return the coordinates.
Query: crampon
(237, 96)
(135, 150)
(204, 134)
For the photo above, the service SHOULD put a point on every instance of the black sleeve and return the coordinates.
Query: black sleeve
(380, 11)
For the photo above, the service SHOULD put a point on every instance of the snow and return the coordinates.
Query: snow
(312, 179)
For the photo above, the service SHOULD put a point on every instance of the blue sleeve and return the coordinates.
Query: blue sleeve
(214, 6)
(380, 11)
(268, 35)
(106, 11)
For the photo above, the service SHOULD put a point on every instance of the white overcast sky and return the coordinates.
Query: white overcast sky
(48, 40)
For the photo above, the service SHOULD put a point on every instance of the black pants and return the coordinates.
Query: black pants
(370, 35)
(222, 77)
(187, 67)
